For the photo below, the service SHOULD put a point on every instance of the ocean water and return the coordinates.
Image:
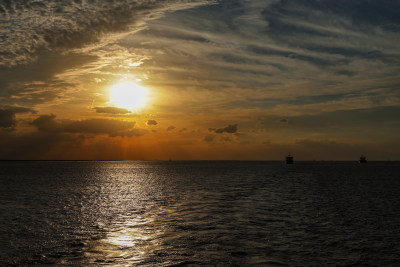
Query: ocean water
(133, 213)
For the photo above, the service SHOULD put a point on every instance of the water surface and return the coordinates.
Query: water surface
(123, 213)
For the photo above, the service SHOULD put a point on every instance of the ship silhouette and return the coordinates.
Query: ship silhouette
(289, 159)
(363, 159)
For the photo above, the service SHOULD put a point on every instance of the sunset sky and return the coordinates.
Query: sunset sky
(199, 80)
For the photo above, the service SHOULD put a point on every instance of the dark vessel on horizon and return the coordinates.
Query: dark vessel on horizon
(289, 159)
(363, 159)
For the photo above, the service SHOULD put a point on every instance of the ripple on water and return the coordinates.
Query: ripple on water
(199, 213)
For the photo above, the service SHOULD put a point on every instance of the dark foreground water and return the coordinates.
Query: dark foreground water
(199, 213)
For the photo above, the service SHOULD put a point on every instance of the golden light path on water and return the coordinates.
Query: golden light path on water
(127, 242)
(132, 239)
(130, 231)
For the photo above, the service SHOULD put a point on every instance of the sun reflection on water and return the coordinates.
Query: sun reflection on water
(127, 242)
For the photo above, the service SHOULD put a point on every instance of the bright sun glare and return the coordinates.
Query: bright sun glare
(128, 95)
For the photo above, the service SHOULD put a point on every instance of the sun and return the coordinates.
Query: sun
(129, 95)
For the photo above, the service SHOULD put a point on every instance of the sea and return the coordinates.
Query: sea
(199, 213)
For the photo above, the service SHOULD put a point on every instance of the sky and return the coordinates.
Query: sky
(199, 80)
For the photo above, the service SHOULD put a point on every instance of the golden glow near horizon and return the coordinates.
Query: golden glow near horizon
(129, 95)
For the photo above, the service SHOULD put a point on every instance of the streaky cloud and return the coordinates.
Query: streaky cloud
(112, 110)
(48, 123)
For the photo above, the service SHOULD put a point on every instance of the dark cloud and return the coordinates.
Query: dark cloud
(222, 138)
(231, 128)
(152, 122)
(37, 82)
(111, 110)
(170, 128)
(33, 145)
(7, 116)
(182, 130)
(47, 145)
(366, 13)
(47, 123)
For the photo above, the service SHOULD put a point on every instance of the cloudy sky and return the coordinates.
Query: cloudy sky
(205, 79)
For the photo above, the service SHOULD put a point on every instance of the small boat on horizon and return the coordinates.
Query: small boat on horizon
(363, 159)
(289, 159)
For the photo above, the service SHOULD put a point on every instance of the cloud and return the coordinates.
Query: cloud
(130, 133)
(370, 125)
(209, 138)
(152, 122)
(7, 116)
(274, 52)
(170, 128)
(226, 139)
(111, 110)
(62, 24)
(39, 81)
(232, 128)
(339, 119)
(47, 123)
(39, 145)
(34, 145)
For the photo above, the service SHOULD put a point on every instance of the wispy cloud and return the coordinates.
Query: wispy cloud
(279, 50)
(28, 28)
(111, 110)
